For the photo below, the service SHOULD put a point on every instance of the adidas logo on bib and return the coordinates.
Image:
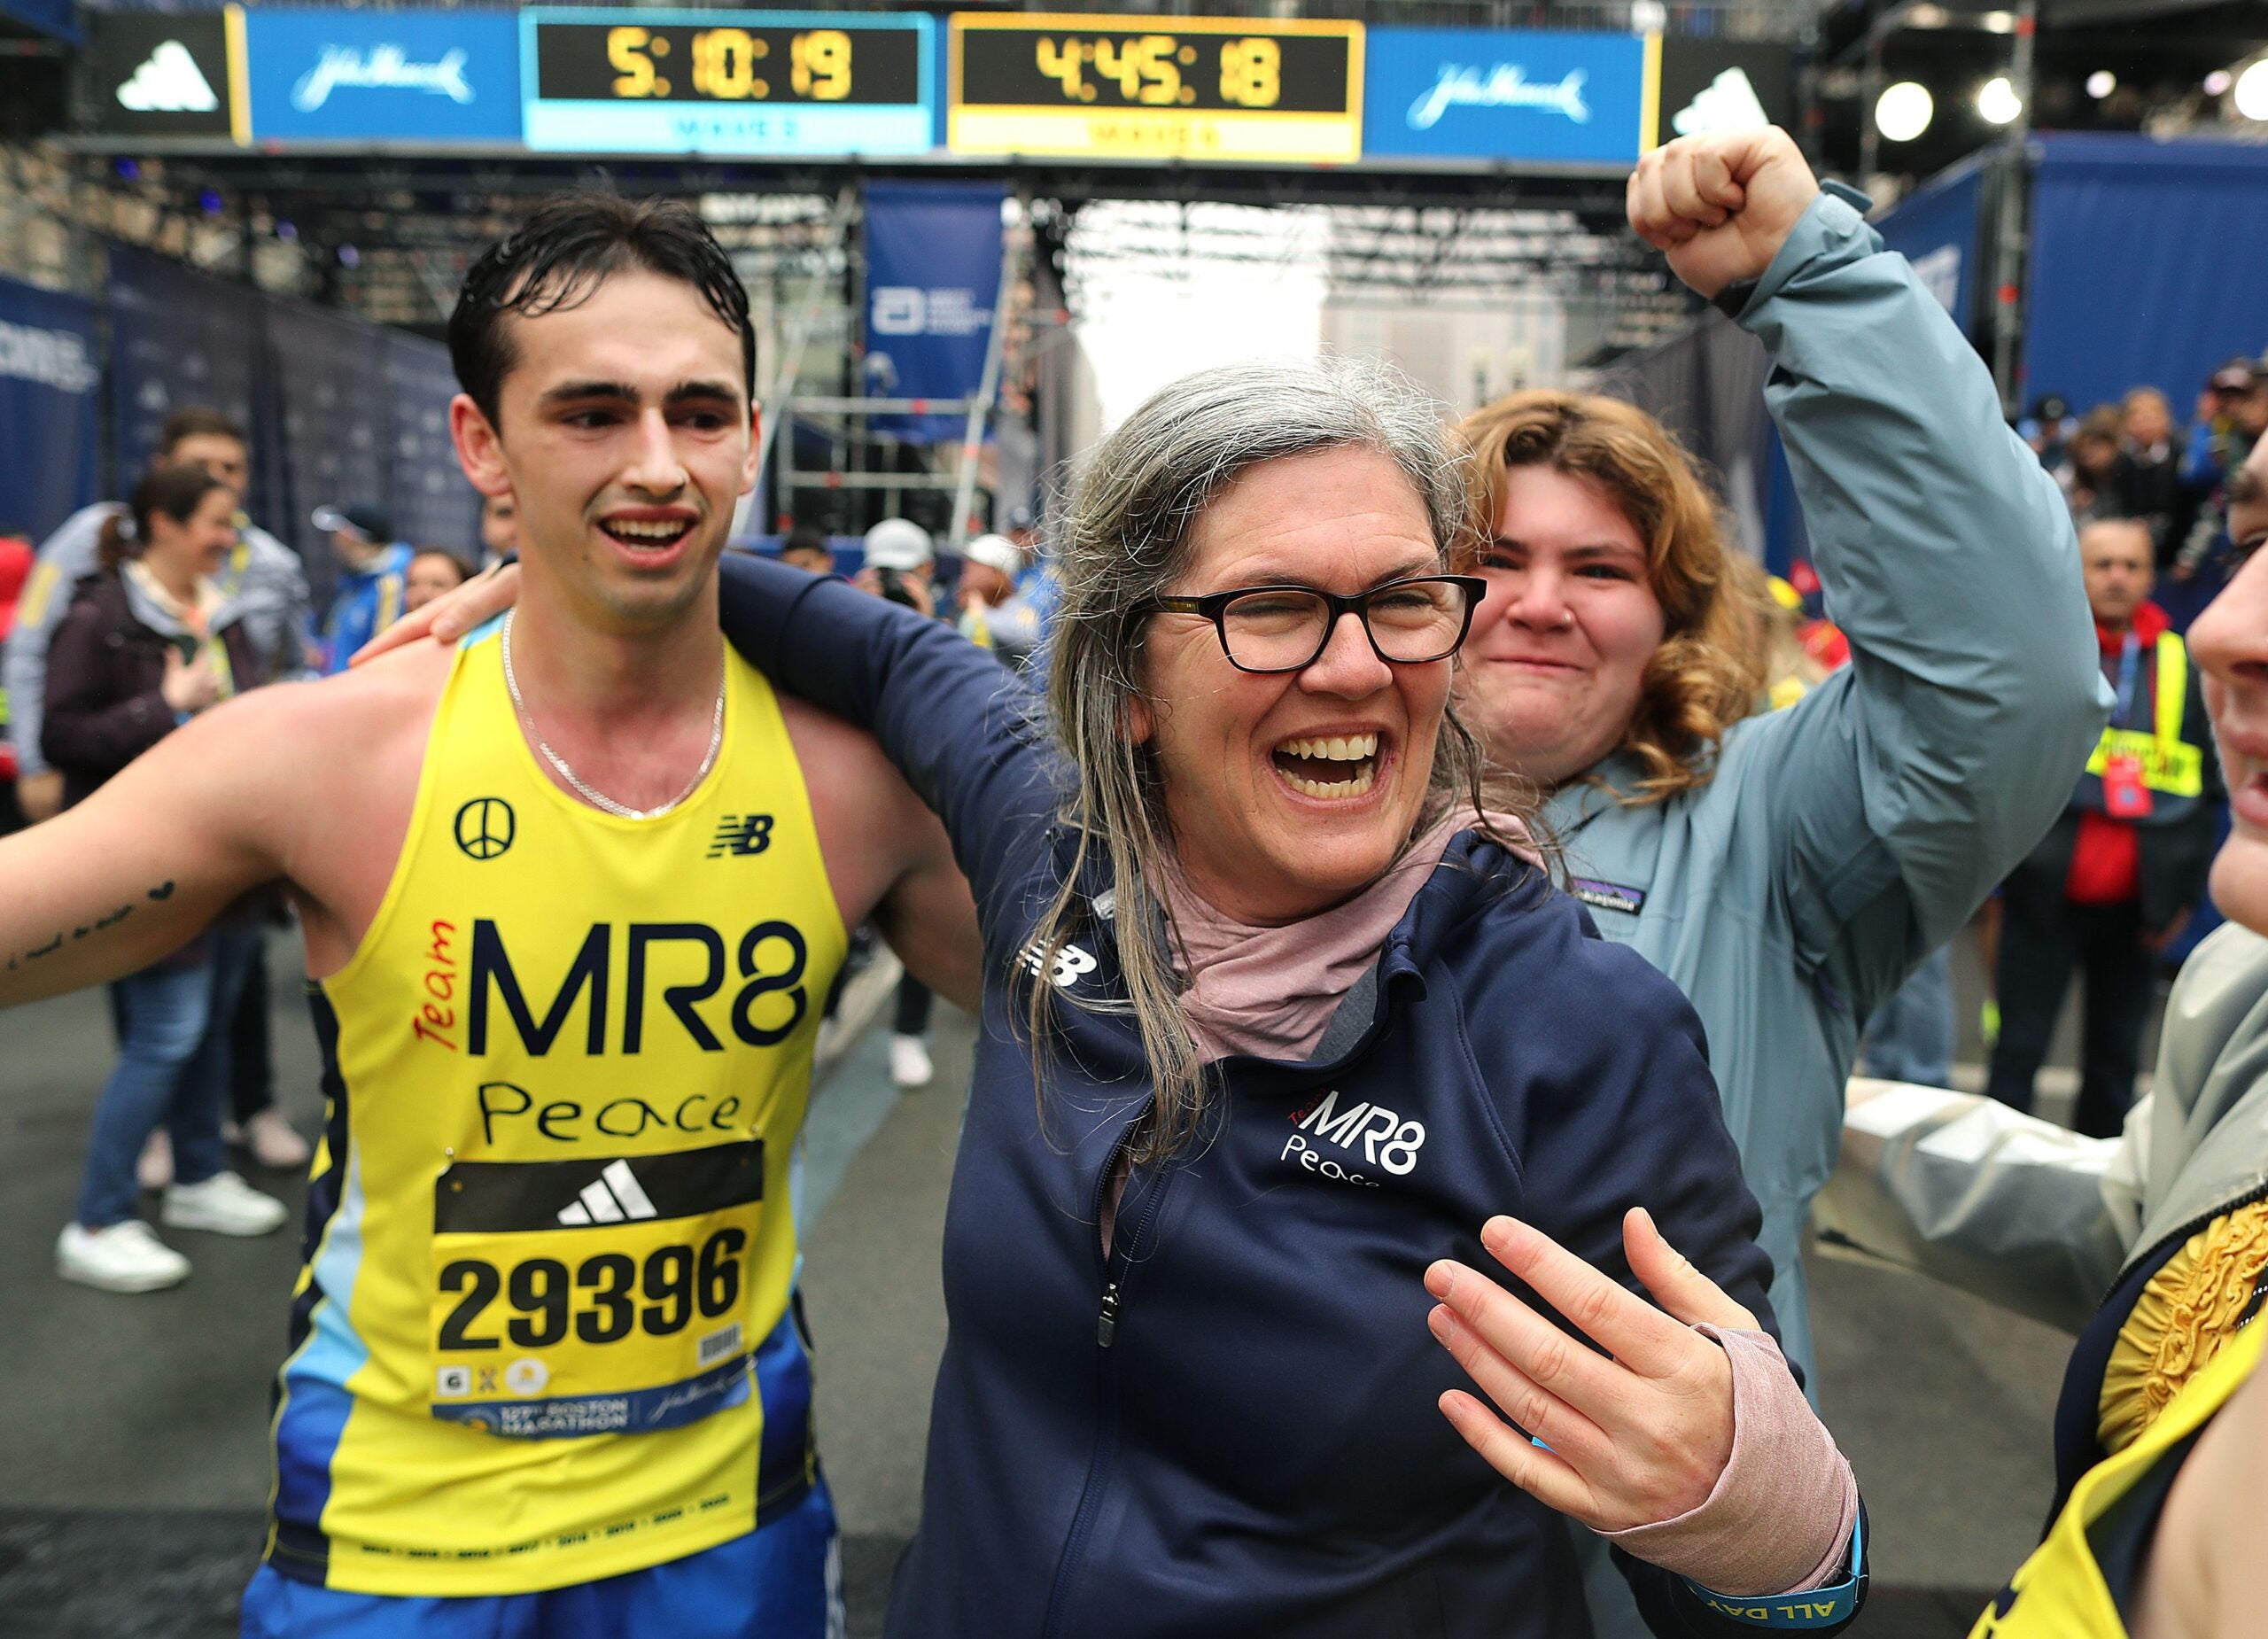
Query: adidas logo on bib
(612, 1196)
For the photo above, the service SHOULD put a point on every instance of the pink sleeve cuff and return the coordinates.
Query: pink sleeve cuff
(1781, 1514)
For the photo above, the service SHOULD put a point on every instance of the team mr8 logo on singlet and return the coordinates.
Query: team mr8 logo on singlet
(602, 1293)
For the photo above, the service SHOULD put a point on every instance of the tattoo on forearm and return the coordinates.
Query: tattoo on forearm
(163, 891)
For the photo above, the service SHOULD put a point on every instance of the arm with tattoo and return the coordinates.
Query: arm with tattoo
(143, 864)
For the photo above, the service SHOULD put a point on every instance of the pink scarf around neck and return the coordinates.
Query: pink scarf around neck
(1270, 991)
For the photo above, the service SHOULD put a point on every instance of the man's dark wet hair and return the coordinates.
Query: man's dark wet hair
(198, 421)
(565, 251)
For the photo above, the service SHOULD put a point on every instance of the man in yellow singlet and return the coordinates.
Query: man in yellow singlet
(573, 891)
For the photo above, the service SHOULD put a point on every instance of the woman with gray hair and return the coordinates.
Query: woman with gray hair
(1279, 1025)
(1285, 1040)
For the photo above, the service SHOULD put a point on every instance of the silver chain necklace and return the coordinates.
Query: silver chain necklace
(600, 800)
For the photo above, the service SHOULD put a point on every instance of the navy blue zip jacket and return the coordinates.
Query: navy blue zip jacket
(1230, 1427)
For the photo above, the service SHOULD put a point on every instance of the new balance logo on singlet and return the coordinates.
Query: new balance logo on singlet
(610, 1198)
(742, 834)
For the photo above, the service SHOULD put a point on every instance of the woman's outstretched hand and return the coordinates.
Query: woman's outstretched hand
(1634, 1440)
(450, 616)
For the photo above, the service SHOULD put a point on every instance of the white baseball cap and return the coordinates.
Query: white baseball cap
(996, 551)
(899, 544)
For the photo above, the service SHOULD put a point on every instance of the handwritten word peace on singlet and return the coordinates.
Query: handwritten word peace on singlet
(543, 1333)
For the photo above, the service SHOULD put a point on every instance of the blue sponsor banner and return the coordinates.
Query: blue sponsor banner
(933, 273)
(383, 76)
(434, 503)
(643, 80)
(1468, 94)
(181, 338)
(48, 401)
(1935, 230)
(2116, 222)
(328, 422)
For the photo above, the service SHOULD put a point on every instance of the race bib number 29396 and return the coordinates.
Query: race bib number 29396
(594, 1296)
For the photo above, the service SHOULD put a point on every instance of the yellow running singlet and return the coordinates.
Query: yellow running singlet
(543, 1335)
(2060, 1591)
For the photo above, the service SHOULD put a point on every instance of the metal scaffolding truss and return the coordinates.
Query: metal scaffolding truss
(1431, 256)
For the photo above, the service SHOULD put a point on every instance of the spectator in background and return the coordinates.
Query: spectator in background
(370, 594)
(2148, 483)
(806, 549)
(500, 528)
(2090, 476)
(15, 569)
(262, 576)
(993, 614)
(2227, 423)
(2114, 880)
(263, 589)
(432, 572)
(150, 641)
(1041, 589)
(2231, 414)
(2050, 433)
(901, 562)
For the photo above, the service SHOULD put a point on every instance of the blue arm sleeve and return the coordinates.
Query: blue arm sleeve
(1948, 558)
(958, 724)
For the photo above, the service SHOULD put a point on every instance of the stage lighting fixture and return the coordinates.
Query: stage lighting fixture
(2252, 92)
(1998, 104)
(1904, 110)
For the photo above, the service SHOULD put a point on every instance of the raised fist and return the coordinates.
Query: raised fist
(1721, 206)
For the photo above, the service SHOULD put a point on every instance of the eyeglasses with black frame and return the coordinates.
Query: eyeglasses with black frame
(1409, 622)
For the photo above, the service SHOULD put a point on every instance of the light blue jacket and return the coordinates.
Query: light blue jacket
(1844, 838)
(368, 601)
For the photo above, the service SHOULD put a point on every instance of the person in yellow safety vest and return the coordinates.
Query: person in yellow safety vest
(2113, 884)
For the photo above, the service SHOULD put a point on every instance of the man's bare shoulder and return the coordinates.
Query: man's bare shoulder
(307, 728)
(872, 828)
(836, 751)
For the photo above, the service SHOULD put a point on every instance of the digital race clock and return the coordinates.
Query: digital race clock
(741, 82)
(1242, 88)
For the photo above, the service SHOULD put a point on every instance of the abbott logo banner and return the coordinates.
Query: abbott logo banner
(1472, 94)
(409, 76)
(933, 255)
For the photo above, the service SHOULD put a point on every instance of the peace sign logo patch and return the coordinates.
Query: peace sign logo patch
(485, 827)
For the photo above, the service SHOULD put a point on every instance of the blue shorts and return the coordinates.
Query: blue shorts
(782, 1582)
